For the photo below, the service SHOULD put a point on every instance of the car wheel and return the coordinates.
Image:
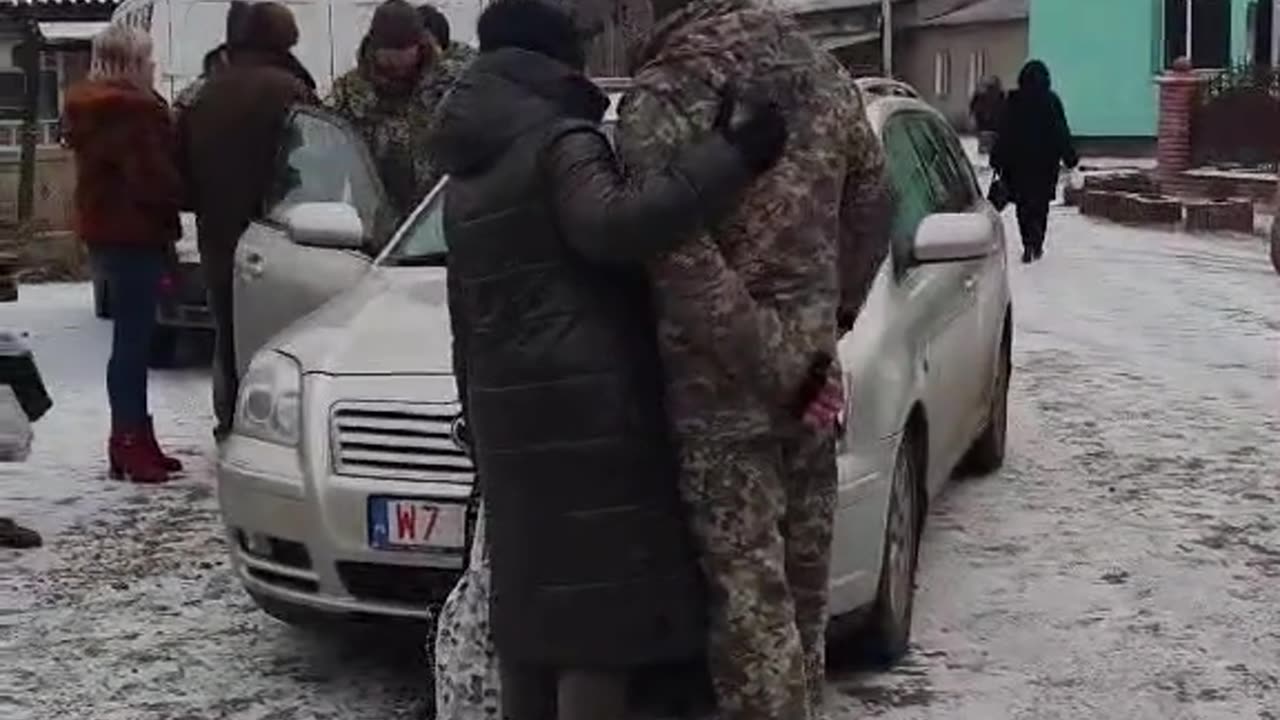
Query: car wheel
(988, 452)
(101, 301)
(1275, 247)
(164, 347)
(887, 632)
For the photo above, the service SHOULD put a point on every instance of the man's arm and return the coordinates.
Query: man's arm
(866, 211)
(695, 285)
(609, 218)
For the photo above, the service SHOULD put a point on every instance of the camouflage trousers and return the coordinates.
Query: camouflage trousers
(762, 512)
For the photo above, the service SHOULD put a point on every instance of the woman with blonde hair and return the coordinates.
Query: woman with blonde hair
(127, 199)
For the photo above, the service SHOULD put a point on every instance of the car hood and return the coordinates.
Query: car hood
(395, 322)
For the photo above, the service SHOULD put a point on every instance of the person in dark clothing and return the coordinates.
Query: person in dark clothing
(556, 361)
(229, 140)
(987, 109)
(1034, 142)
(128, 195)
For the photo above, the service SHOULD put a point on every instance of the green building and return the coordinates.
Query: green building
(1106, 54)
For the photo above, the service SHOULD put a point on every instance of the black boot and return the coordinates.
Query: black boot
(1028, 256)
(13, 535)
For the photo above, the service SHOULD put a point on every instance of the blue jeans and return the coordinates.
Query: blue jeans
(133, 277)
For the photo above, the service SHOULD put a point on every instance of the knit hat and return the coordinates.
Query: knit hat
(395, 25)
(269, 27)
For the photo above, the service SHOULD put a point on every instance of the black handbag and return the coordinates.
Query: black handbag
(998, 195)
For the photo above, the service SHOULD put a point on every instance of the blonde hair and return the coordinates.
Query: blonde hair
(121, 53)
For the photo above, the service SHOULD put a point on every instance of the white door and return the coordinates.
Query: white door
(194, 29)
(940, 298)
(979, 325)
(350, 22)
(277, 280)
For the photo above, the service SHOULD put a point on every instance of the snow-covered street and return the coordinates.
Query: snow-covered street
(1125, 564)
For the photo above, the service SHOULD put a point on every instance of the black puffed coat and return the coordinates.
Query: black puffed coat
(555, 353)
(1035, 140)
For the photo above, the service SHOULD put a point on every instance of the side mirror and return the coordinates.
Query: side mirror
(954, 237)
(333, 225)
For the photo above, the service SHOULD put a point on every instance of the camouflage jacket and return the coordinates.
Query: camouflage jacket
(187, 96)
(744, 311)
(397, 130)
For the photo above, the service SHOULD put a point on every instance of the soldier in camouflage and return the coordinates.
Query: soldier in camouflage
(391, 97)
(745, 316)
(454, 56)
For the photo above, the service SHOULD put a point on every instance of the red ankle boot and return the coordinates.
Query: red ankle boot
(169, 463)
(132, 458)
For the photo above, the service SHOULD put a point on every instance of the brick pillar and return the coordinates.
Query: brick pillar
(1179, 91)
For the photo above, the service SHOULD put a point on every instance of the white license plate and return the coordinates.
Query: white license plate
(406, 524)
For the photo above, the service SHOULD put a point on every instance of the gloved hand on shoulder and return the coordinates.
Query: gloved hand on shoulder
(758, 131)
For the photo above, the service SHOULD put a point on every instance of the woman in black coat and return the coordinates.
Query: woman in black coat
(1034, 142)
(555, 354)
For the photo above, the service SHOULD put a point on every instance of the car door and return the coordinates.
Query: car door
(276, 280)
(935, 303)
(979, 278)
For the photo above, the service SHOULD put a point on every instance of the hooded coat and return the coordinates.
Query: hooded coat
(1034, 140)
(230, 137)
(556, 360)
(128, 189)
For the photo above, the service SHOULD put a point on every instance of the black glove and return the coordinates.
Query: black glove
(760, 135)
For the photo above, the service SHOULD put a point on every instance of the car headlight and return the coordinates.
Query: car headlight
(270, 404)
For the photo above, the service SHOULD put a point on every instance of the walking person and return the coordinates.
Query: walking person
(230, 137)
(390, 100)
(127, 198)
(987, 109)
(748, 315)
(555, 356)
(1033, 144)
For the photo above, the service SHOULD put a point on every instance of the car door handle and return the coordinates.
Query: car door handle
(971, 283)
(254, 264)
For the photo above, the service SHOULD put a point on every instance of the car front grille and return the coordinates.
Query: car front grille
(396, 583)
(401, 441)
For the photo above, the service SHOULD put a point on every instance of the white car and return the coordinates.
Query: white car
(344, 486)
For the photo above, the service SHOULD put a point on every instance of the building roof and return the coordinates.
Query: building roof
(981, 11)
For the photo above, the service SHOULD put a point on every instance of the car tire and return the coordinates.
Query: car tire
(164, 347)
(101, 300)
(1275, 246)
(886, 635)
(988, 452)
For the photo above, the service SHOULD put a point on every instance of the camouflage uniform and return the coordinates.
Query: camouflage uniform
(396, 128)
(742, 315)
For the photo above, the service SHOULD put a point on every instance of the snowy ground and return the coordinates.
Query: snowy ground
(1126, 564)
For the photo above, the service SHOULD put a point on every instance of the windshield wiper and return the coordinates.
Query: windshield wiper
(423, 260)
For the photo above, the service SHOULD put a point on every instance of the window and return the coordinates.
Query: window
(928, 173)
(977, 70)
(422, 242)
(326, 162)
(1208, 42)
(942, 74)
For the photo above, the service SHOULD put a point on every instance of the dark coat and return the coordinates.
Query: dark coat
(230, 139)
(128, 188)
(555, 354)
(1035, 140)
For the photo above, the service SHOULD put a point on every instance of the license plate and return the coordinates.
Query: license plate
(407, 524)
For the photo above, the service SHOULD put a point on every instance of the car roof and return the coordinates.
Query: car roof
(885, 87)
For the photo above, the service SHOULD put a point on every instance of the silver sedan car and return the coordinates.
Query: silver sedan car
(345, 488)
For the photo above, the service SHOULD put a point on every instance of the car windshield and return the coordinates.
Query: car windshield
(421, 240)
